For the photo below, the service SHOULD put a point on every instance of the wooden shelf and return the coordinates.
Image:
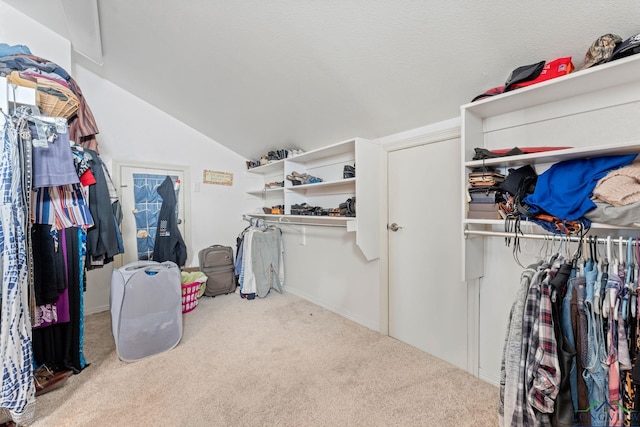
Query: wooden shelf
(593, 110)
(305, 219)
(328, 164)
(273, 191)
(273, 167)
(344, 184)
(601, 77)
(559, 155)
(499, 222)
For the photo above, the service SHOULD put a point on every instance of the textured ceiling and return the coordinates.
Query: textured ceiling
(256, 75)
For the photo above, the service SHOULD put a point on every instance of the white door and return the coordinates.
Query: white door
(427, 299)
(134, 234)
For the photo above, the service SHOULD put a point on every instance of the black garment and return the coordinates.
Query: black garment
(59, 344)
(563, 415)
(48, 265)
(168, 245)
(102, 238)
(578, 323)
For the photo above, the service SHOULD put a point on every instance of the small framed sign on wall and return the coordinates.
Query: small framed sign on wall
(217, 177)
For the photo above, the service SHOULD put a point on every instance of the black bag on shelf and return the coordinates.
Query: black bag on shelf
(348, 208)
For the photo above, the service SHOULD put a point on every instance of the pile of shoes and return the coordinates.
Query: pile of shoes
(274, 184)
(274, 156)
(302, 178)
(305, 209)
(47, 378)
(274, 210)
(348, 208)
(349, 171)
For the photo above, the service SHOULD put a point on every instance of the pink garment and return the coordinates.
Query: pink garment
(620, 187)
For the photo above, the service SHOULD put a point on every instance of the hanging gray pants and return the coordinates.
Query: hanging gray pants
(265, 260)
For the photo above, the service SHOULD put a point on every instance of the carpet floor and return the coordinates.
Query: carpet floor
(277, 361)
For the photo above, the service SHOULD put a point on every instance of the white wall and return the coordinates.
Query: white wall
(329, 270)
(325, 266)
(18, 29)
(132, 130)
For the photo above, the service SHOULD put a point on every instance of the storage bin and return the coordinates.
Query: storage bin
(146, 309)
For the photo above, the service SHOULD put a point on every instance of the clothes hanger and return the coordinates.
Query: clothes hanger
(593, 258)
(634, 280)
(603, 279)
(590, 271)
(628, 279)
(605, 302)
(544, 249)
(617, 295)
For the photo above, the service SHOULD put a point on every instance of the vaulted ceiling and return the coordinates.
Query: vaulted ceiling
(255, 75)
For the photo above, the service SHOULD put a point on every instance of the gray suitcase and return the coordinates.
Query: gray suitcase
(216, 262)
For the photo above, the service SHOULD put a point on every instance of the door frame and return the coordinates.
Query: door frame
(438, 132)
(186, 189)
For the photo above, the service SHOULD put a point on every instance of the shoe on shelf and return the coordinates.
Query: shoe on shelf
(304, 178)
(294, 180)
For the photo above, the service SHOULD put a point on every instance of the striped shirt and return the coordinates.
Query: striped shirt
(62, 207)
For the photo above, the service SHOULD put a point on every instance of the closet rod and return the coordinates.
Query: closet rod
(547, 237)
(283, 221)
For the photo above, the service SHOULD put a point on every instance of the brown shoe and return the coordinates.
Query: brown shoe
(46, 379)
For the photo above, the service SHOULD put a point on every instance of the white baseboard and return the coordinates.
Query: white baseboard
(338, 310)
(488, 376)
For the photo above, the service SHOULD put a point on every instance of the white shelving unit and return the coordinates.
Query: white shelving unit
(328, 163)
(594, 111)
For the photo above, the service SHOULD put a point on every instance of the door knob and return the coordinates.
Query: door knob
(393, 227)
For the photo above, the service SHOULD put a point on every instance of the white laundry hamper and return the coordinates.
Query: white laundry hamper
(146, 309)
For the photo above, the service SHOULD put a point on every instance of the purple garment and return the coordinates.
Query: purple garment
(53, 165)
(50, 314)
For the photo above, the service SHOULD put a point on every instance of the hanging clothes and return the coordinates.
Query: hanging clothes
(44, 238)
(594, 318)
(266, 260)
(103, 239)
(511, 411)
(17, 396)
(169, 245)
(259, 260)
(59, 344)
(82, 126)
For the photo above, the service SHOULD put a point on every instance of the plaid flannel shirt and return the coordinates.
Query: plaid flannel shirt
(512, 355)
(523, 414)
(542, 367)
